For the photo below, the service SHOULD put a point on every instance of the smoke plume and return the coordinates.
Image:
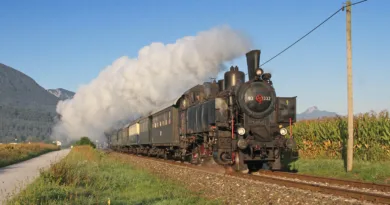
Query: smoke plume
(133, 87)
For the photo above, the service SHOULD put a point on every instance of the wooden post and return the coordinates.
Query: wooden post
(350, 89)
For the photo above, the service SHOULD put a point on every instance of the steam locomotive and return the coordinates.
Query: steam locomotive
(231, 122)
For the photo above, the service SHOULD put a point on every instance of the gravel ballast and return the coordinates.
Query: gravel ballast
(234, 190)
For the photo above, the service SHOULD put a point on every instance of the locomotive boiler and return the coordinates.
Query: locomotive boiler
(232, 122)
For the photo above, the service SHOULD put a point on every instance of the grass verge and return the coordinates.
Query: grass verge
(14, 153)
(378, 172)
(87, 176)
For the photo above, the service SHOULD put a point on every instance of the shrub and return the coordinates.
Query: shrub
(85, 141)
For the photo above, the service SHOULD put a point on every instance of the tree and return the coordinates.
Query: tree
(85, 141)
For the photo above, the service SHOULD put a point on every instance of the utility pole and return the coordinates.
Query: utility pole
(350, 89)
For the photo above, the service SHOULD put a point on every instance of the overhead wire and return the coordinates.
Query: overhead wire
(342, 8)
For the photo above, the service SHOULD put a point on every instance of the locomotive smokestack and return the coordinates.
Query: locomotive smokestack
(253, 62)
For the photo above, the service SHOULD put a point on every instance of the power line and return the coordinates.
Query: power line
(342, 8)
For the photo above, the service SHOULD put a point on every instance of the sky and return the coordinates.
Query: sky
(65, 44)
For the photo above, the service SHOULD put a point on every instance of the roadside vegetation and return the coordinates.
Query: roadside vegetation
(322, 147)
(14, 153)
(90, 176)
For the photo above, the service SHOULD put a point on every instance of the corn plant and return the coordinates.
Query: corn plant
(327, 137)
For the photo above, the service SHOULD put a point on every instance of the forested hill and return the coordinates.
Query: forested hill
(27, 110)
(21, 91)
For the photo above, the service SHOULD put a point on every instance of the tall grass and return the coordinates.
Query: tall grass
(13, 153)
(327, 137)
(88, 176)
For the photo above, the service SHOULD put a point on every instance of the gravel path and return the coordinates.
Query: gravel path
(17, 176)
(234, 190)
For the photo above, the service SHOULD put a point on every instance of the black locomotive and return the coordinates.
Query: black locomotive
(232, 122)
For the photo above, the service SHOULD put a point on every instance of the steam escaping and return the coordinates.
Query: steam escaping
(133, 87)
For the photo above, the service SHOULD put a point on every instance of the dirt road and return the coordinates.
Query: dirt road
(17, 176)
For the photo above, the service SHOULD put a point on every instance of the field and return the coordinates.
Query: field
(88, 176)
(13, 153)
(321, 147)
(326, 138)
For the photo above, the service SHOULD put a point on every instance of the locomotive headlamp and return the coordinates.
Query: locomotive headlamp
(259, 71)
(283, 131)
(241, 131)
(242, 144)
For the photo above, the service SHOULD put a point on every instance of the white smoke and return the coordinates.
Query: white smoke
(133, 87)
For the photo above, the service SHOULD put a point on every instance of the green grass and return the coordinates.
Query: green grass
(378, 172)
(87, 176)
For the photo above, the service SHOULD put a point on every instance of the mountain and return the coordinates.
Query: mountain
(314, 113)
(27, 110)
(61, 93)
(20, 91)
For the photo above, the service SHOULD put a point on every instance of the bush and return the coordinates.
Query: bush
(85, 141)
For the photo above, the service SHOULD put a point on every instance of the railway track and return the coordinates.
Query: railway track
(331, 181)
(337, 191)
(333, 186)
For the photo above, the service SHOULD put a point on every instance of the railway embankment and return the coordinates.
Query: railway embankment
(216, 183)
(89, 176)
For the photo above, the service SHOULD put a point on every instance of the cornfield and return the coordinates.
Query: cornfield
(327, 137)
(13, 153)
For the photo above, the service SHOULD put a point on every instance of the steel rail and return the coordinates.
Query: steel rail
(331, 181)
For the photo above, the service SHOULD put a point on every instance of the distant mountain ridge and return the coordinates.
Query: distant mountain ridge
(314, 113)
(27, 110)
(61, 93)
(21, 91)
